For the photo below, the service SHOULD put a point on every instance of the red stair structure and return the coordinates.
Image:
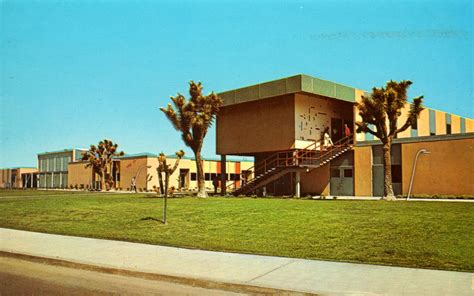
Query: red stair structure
(281, 163)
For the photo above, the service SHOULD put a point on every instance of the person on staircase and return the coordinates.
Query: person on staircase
(347, 132)
(327, 139)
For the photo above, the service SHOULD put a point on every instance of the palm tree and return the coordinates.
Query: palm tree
(100, 160)
(382, 110)
(167, 170)
(193, 118)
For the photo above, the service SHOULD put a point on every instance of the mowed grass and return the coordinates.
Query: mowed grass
(414, 234)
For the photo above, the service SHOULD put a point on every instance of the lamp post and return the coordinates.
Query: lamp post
(421, 151)
(138, 173)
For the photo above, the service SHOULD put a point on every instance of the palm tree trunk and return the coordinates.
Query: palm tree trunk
(387, 161)
(200, 176)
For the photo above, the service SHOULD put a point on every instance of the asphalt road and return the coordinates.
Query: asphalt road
(21, 277)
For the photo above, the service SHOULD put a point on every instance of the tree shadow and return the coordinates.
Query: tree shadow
(153, 219)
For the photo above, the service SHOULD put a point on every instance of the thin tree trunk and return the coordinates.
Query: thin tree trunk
(387, 161)
(165, 208)
(160, 179)
(200, 176)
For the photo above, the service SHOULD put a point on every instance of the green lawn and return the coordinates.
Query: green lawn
(416, 234)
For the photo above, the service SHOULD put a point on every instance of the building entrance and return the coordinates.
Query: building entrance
(337, 131)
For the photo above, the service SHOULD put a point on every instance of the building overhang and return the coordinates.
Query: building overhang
(289, 85)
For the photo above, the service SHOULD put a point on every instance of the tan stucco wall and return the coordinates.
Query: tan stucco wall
(313, 114)
(401, 121)
(315, 181)
(440, 122)
(469, 125)
(360, 136)
(448, 169)
(363, 171)
(129, 168)
(258, 126)
(5, 177)
(455, 124)
(78, 174)
(424, 123)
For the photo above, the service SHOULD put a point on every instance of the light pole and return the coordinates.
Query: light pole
(138, 173)
(421, 151)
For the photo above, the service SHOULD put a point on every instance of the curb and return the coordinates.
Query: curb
(194, 282)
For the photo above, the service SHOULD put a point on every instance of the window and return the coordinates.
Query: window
(347, 173)
(396, 173)
(207, 176)
(432, 115)
(448, 124)
(193, 176)
(335, 173)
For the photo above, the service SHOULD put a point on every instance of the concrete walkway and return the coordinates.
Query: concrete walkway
(320, 277)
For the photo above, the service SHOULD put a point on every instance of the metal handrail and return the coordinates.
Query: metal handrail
(296, 155)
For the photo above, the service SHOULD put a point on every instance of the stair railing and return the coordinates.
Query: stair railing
(296, 157)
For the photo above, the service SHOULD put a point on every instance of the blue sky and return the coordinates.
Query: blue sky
(75, 72)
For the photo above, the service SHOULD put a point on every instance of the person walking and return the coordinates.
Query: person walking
(133, 184)
(327, 138)
(347, 131)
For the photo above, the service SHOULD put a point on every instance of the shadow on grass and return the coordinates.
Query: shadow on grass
(153, 219)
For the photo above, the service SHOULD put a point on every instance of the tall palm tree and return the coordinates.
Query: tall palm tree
(100, 160)
(382, 110)
(193, 118)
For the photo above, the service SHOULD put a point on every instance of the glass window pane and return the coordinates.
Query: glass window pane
(335, 173)
(347, 173)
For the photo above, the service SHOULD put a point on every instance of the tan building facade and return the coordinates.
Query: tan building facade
(21, 177)
(53, 167)
(143, 167)
(275, 119)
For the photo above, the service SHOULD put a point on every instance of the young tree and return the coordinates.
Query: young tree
(382, 110)
(167, 170)
(100, 160)
(192, 118)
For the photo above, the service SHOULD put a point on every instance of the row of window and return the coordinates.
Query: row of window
(432, 124)
(212, 176)
(55, 180)
(54, 164)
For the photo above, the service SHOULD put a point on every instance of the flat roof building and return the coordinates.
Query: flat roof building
(53, 167)
(20, 177)
(280, 121)
(143, 166)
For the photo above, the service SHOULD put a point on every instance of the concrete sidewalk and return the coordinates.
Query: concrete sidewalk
(320, 277)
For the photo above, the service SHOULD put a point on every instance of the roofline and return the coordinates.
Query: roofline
(462, 136)
(302, 86)
(61, 151)
(18, 168)
(289, 85)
